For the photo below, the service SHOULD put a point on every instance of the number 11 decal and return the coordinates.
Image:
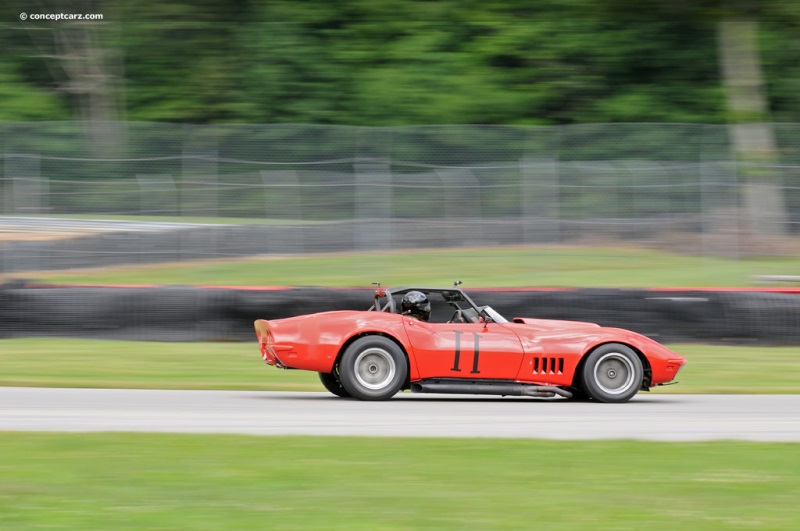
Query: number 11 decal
(457, 360)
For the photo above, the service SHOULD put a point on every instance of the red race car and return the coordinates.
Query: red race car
(437, 340)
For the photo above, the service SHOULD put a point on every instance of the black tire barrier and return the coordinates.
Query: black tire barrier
(179, 313)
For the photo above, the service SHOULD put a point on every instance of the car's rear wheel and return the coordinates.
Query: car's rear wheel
(333, 384)
(373, 368)
(612, 373)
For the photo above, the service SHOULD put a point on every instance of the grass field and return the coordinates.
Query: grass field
(140, 481)
(131, 364)
(499, 267)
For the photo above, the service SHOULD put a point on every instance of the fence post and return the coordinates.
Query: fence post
(373, 206)
(199, 186)
(158, 196)
(462, 206)
(29, 191)
(540, 206)
(283, 200)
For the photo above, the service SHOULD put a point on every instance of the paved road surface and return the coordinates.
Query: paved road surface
(648, 416)
(51, 224)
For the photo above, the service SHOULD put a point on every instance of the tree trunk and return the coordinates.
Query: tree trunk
(91, 77)
(763, 210)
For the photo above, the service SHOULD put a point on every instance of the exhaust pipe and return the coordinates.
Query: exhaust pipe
(471, 387)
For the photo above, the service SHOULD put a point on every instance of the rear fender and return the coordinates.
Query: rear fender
(316, 342)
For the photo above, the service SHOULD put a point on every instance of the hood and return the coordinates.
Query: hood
(554, 324)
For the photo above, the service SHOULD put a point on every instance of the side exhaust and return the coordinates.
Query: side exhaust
(477, 387)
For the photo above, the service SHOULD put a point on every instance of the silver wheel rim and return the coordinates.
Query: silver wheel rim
(614, 373)
(375, 368)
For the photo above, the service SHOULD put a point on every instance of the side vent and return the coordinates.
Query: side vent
(548, 365)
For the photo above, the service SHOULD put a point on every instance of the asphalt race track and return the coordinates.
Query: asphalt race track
(647, 417)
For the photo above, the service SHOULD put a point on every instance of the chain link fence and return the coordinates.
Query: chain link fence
(164, 192)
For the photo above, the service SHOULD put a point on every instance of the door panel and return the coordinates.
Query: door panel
(464, 350)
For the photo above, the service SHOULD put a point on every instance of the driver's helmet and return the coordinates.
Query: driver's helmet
(416, 304)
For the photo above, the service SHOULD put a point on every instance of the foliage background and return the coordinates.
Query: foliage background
(395, 62)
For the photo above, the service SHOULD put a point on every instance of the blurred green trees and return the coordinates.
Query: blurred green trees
(395, 62)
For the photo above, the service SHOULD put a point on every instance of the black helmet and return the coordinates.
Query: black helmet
(416, 304)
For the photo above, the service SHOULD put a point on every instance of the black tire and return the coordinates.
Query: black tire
(373, 368)
(612, 373)
(333, 384)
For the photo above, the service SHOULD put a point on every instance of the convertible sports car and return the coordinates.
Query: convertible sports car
(437, 340)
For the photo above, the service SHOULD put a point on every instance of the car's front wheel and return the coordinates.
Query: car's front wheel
(332, 383)
(612, 373)
(373, 368)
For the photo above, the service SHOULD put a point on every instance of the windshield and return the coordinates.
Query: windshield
(491, 312)
(446, 305)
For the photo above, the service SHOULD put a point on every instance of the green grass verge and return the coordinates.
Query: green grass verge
(146, 481)
(498, 267)
(150, 365)
(144, 365)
